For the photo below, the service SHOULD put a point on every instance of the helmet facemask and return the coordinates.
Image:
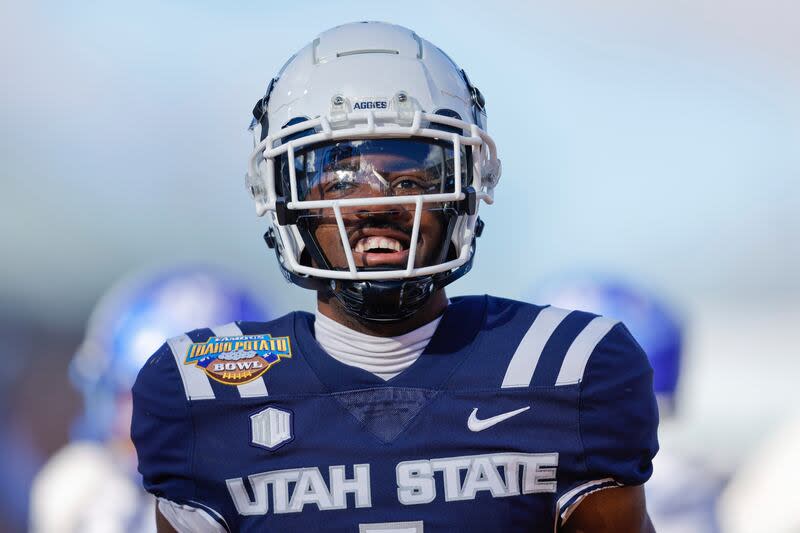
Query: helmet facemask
(392, 235)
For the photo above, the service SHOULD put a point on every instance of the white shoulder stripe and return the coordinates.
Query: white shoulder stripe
(195, 382)
(255, 388)
(581, 349)
(523, 363)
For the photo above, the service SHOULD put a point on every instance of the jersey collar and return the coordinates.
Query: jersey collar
(449, 346)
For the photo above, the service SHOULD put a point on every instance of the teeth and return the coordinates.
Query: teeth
(373, 243)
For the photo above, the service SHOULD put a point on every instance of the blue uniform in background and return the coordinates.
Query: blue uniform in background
(512, 415)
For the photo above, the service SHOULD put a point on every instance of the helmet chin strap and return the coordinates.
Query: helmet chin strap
(393, 300)
(383, 300)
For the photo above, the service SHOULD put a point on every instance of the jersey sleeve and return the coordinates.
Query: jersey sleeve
(162, 430)
(618, 420)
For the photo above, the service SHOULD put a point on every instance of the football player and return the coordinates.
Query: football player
(91, 485)
(392, 408)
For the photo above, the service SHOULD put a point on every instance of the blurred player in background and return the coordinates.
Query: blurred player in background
(682, 493)
(91, 485)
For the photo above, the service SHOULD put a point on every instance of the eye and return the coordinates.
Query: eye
(340, 186)
(406, 184)
(342, 182)
(409, 184)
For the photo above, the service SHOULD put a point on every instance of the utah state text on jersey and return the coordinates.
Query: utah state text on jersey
(501, 474)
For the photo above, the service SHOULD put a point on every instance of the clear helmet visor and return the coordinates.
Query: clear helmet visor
(378, 186)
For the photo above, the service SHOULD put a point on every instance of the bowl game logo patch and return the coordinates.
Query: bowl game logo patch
(238, 360)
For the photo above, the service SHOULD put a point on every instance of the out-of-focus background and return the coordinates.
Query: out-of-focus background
(654, 140)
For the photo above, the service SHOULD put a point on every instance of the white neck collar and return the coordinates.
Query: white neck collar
(383, 356)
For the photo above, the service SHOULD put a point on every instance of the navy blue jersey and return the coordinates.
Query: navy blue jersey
(512, 414)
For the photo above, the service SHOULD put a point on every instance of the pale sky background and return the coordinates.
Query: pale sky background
(655, 140)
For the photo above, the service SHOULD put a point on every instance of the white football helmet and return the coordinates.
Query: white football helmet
(360, 137)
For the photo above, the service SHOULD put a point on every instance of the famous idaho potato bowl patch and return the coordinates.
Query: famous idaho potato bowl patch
(238, 360)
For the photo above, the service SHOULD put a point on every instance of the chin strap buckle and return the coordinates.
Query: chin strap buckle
(469, 205)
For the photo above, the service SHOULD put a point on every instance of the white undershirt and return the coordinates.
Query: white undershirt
(383, 356)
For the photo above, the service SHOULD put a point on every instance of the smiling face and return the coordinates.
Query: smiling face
(378, 236)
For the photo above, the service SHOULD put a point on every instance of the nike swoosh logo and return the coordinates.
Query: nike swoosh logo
(474, 424)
